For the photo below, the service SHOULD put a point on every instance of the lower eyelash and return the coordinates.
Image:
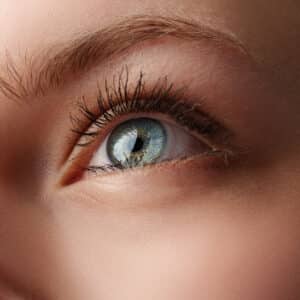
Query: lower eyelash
(118, 167)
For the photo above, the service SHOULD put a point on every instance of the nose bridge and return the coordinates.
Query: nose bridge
(27, 246)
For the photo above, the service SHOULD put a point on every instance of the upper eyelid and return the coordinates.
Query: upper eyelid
(161, 97)
(170, 100)
(51, 71)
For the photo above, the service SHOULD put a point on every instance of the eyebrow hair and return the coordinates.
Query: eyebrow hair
(51, 71)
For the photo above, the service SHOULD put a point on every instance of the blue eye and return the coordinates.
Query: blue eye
(137, 125)
(143, 141)
(136, 142)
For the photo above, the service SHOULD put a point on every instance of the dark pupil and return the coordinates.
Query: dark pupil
(139, 144)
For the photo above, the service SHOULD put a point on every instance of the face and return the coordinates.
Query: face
(150, 150)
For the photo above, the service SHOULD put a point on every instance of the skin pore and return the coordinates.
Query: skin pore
(195, 228)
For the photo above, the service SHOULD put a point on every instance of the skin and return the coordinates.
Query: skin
(179, 230)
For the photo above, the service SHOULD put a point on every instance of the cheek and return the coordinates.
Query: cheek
(202, 250)
(240, 258)
(188, 245)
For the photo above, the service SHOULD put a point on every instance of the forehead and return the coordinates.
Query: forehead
(30, 26)
(32, 23)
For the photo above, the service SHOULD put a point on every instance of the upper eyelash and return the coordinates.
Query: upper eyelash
(162, 97)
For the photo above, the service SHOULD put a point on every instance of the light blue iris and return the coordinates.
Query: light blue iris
(137, 142)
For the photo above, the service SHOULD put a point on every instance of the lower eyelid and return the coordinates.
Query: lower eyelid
(133, 189)
(207, 165)
(203, 170)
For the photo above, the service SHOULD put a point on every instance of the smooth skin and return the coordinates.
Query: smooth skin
(178, 230)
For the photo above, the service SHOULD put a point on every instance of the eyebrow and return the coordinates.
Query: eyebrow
(50, 71)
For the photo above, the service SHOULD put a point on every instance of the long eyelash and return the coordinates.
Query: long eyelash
(121, 99)
(163, 98)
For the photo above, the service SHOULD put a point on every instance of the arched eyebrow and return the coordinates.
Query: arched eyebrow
(53, 69)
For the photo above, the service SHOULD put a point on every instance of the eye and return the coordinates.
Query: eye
(140, 126)
(142, 141)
